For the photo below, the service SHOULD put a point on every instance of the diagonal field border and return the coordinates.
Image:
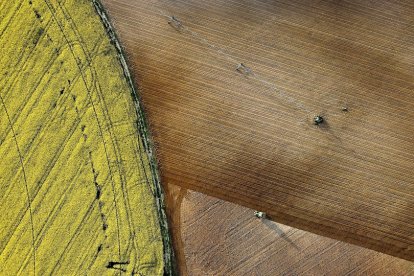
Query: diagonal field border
(146, 138)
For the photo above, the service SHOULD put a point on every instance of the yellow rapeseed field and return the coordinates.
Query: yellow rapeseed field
(78, 187)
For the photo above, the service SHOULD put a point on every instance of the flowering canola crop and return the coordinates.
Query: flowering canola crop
(78, 186)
